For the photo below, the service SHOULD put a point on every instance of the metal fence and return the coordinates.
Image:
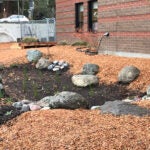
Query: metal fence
(43, 30)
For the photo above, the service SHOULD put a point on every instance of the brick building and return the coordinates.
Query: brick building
(127, 21)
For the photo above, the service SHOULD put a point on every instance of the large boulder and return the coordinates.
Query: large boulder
(84, 80)
(128, 74)
(65, 99)
(33, 55)
(123, 108)
(90, 69)
(43, 63)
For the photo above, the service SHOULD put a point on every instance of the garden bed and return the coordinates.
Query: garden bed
(72, 129)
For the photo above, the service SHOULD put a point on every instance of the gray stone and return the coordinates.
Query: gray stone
(62, 67)
(17, 105)
(25, 101)
(33, 55)
(146, 97)
(44, 102)
(66, 65)
(95, 108)
(42, 63)
(61, 62)
(25, 108)
(84, 80)
(1, 87)
(148, 90)
(90, 69)
(66, 100)
(123, 108)
(45, 108)
(55, 62)
(128, 74)
(50, 67)
(56, 69)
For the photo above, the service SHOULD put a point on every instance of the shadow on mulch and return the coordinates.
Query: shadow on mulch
(27, 82)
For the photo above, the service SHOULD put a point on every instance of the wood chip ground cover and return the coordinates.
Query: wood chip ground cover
(79, 129)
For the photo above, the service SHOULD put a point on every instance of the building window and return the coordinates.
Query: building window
(79, 16)
(93, 16)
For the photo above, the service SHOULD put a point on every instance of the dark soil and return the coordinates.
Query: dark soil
(26, 82)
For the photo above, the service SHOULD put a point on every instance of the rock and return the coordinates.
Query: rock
(42, 63)
(50, 67)
(61, 62)
(25, 101)
(90, 69)
(55, 69)
(128, 74)
(55, 62)
(146, 97)
(25, 108)
(84, 80)
(95, 108)
(62, 67)
(44, 102)
(123, 108)
(148, 90)
(17, 105)
(66, 65)
(34, 107)
(66, 100)
(33, 55)
(45, 108)
(1, 87)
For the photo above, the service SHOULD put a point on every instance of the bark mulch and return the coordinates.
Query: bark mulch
(73, 129)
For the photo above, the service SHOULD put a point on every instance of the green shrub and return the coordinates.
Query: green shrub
(29, 39)
(63, 43)
(80, 43)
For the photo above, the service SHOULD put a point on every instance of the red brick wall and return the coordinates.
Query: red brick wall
(128, 22)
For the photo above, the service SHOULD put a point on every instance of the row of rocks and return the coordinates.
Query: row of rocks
(65, 99)
(126, 75)
(43, 63)
(72, 100)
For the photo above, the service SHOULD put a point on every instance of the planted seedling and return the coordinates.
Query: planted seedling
(35, 89)
(8, 113)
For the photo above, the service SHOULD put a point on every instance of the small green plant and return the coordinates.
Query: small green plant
(25, 79)
(9, 100)
(14, 65)
(65, 87)
(62, 43)
(40, 73)
(2, 66)
(29, 39)
(80, 43)
(24, 85)
(8, 113)
(1, 94)
(35, 89)
(57, 77)
(25, 75)
(91, 91)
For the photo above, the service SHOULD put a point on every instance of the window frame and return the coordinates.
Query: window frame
(79, 18)
(91, 22)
